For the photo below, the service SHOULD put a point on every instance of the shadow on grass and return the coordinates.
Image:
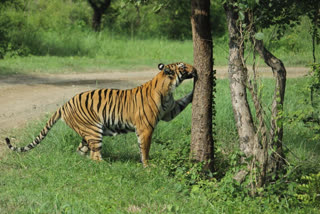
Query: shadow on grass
(113, 150)
(123, 148)
(5, 71)
(29, 79)
(121, 157)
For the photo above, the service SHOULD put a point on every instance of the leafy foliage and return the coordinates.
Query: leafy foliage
(310, 115)
(6, 24)
(309, 190)
(27, 23)
(126, 18)
(276, 12)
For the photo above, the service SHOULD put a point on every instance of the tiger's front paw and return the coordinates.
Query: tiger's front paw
(96, 156)
(83, 150)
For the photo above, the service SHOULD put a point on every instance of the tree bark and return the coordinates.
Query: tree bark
(253, 141)
(238, 78)
(201, 133)
(96, 20)
(277, 158)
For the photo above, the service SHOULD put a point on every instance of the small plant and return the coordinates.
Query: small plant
(309, 190)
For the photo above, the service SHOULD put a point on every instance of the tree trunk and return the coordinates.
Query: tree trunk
(96, 20)
(253, 142)
(276, 160)
(314, 29)
(238, 79)
(99, 8)
(201, 133)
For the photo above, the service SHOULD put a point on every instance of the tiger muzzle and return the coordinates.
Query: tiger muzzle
(193, 74)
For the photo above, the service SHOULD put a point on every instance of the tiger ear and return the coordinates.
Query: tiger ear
(161, 66)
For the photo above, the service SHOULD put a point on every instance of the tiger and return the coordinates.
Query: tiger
(108, 112)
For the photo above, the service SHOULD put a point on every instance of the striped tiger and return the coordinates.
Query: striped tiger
(107, 112)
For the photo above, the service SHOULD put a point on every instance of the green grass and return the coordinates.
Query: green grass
(85, 51)
(46, 64)
(53, 178)
(102, 53)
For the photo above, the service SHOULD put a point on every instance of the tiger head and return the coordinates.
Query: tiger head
(177, 72)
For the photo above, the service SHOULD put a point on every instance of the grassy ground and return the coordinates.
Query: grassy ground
(89, 52)
(54, 179)
(97, 53)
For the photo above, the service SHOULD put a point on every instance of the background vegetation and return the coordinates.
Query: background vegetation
(34, 30)
(56, 36)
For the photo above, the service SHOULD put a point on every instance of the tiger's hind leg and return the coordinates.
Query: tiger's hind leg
(95, 146)
(83, 148)
(144, 139)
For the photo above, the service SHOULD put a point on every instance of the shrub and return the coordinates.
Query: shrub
(309, 190)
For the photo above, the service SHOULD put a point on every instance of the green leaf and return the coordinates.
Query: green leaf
(251, 3)
(259, 36)
(157, 8)
(242, 6)
(241, 15)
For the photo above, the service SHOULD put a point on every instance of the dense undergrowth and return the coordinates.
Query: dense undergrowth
(53, 178)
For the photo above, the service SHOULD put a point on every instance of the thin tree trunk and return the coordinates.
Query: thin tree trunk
(99, 8)
(314, 45)
(314, 28)
(201, 133)
(96, 19)
(238, 79)
(277, 157)
(253, 140)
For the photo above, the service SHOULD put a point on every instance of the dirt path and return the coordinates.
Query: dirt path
(28, 97)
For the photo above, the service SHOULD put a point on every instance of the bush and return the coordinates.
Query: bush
(7, 24)
(309, 190)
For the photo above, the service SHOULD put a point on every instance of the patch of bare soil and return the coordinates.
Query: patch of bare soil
(28, 97)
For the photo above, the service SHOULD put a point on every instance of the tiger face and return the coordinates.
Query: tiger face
(177, 72)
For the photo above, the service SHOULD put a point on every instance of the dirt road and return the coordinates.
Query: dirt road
(28, 97)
